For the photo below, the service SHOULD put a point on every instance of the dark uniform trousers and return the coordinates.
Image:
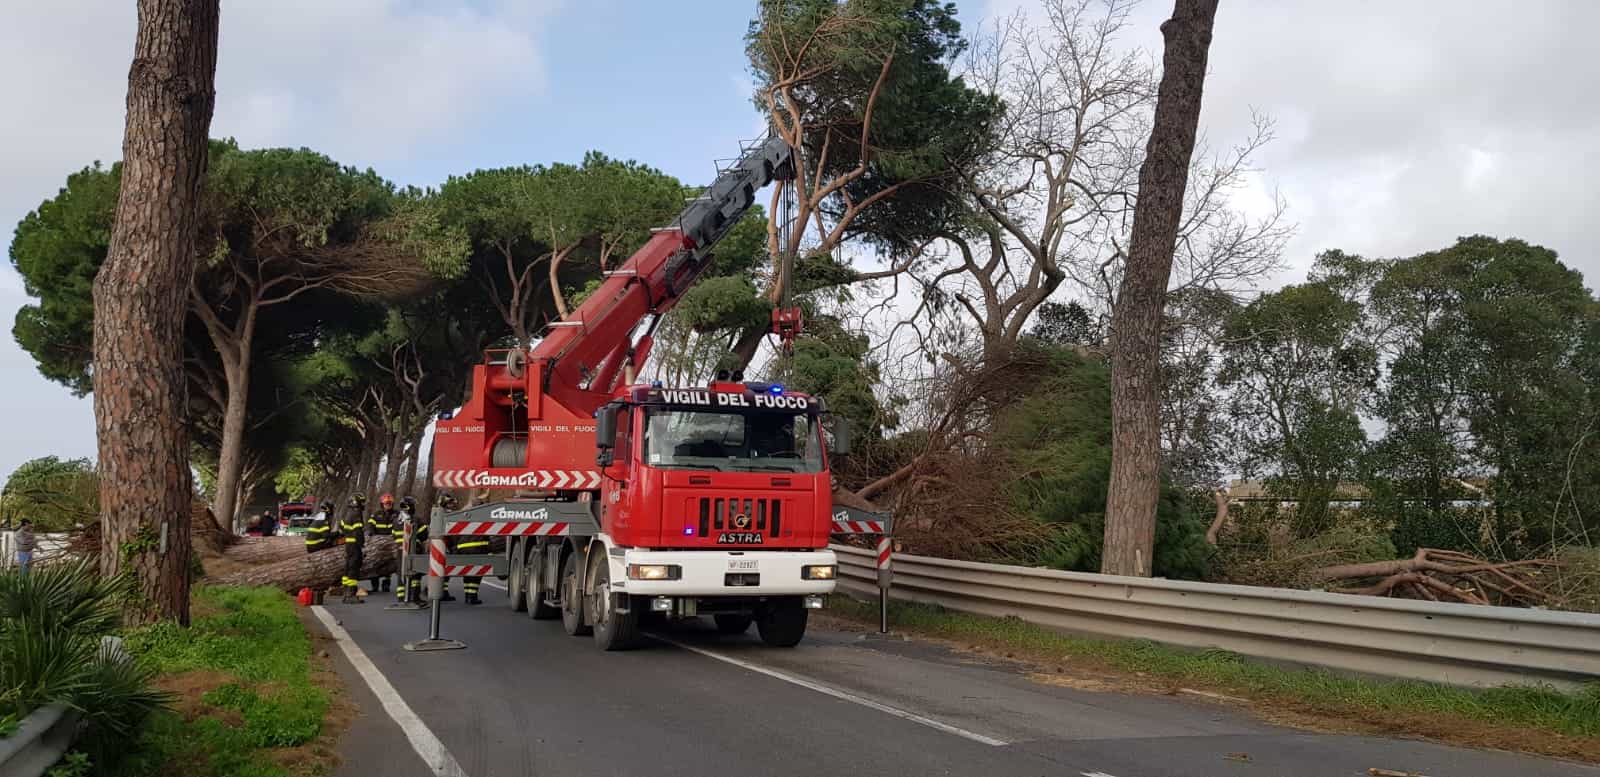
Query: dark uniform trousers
(350, 536)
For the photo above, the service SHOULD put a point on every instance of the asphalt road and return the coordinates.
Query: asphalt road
(525, 699)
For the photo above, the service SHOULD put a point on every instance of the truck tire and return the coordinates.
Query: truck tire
(533, 573)
(516, 580)
(783, 622)
(572, 620)
(732, 623)
(612, 630)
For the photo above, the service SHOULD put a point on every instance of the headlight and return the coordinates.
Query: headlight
(654, 572)
(818, 571)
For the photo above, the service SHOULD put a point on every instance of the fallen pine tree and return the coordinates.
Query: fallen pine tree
(318, 571)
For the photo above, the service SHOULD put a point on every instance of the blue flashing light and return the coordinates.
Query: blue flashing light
(655, 384)
(775, 389)
(688, 531)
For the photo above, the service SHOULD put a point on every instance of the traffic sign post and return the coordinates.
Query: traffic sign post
(848, 520)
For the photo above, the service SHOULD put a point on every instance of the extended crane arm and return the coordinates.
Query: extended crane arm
(582, 355)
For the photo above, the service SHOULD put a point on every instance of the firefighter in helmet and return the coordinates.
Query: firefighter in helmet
(352, 538)
(319, 535)
(419, 534)
(381, 524)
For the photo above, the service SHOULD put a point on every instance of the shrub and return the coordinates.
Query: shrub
(52, 621)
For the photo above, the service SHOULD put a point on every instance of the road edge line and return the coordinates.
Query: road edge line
(428, 746)
(828, 690)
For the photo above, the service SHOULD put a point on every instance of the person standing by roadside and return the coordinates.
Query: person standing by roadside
(25, 545)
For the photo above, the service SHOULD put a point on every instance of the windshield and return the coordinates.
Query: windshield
(732, 441)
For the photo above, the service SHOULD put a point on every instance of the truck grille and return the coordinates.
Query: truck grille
(720, 514)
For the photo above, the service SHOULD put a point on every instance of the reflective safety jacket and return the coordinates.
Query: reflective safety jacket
(381, 523)
(319, 535)
(350, 529)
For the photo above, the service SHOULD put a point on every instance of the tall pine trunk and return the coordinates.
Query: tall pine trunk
(1135, 486)
(140, 300)
(397, 448)
(230, 459)
(413, 460)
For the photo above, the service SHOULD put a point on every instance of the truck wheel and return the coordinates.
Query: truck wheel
(732, 623)
(783, 622)
(612, 630)
(572, 598)
(516, 580)
(533, 575)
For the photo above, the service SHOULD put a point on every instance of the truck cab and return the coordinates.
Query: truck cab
(717, 501)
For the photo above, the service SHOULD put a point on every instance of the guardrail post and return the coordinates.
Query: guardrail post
(436, 583)
(885, 576)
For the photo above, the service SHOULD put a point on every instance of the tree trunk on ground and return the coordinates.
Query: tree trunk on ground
(140, 297)
(1136, 320)
(320, 570)
(265, 550)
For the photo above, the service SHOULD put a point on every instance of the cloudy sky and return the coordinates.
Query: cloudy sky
(1401, 125)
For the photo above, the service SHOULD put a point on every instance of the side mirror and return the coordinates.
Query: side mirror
(841, 436)
(605, 435)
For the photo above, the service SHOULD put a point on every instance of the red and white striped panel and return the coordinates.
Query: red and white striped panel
(885, 552)
(507, 528)
(858, 527)
(436, 554)
(469, 570)
(533, 478)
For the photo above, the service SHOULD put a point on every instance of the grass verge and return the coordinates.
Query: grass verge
(252, 699)
(1525, 719)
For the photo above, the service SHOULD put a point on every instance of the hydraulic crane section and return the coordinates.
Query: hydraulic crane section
(528, 421)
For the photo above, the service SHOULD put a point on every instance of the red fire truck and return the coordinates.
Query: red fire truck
(629, 498)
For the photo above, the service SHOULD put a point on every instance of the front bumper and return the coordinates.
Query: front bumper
(705, 572)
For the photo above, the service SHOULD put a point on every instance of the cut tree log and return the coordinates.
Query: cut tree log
(1443, 574)
(320, 570)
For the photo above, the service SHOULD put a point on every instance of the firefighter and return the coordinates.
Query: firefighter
(381, 524)
(408, 517)
(466, 545)
(319, 536)
(352, 538)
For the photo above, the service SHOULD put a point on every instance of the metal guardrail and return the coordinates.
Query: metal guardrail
(1459, 644)
(40, 740)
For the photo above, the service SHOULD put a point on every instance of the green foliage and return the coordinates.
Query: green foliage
(253, 637)
(1065, 324)
(51, 624)
(1299, 364)
(73, 764)
(720, 304)
(58, 249)
(1058, 438)
(55, 494)
(923, 120)
(835, 364)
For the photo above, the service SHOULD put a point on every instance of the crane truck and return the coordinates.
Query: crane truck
(635, 498)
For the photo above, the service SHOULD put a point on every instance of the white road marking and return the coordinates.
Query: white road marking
(432, 751)
(493, 584)
(838, 694)
(1095, 774)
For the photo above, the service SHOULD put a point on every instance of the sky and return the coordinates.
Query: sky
(1401, 125)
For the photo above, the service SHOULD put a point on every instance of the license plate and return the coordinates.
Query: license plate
(743, 565)
(739, 538)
